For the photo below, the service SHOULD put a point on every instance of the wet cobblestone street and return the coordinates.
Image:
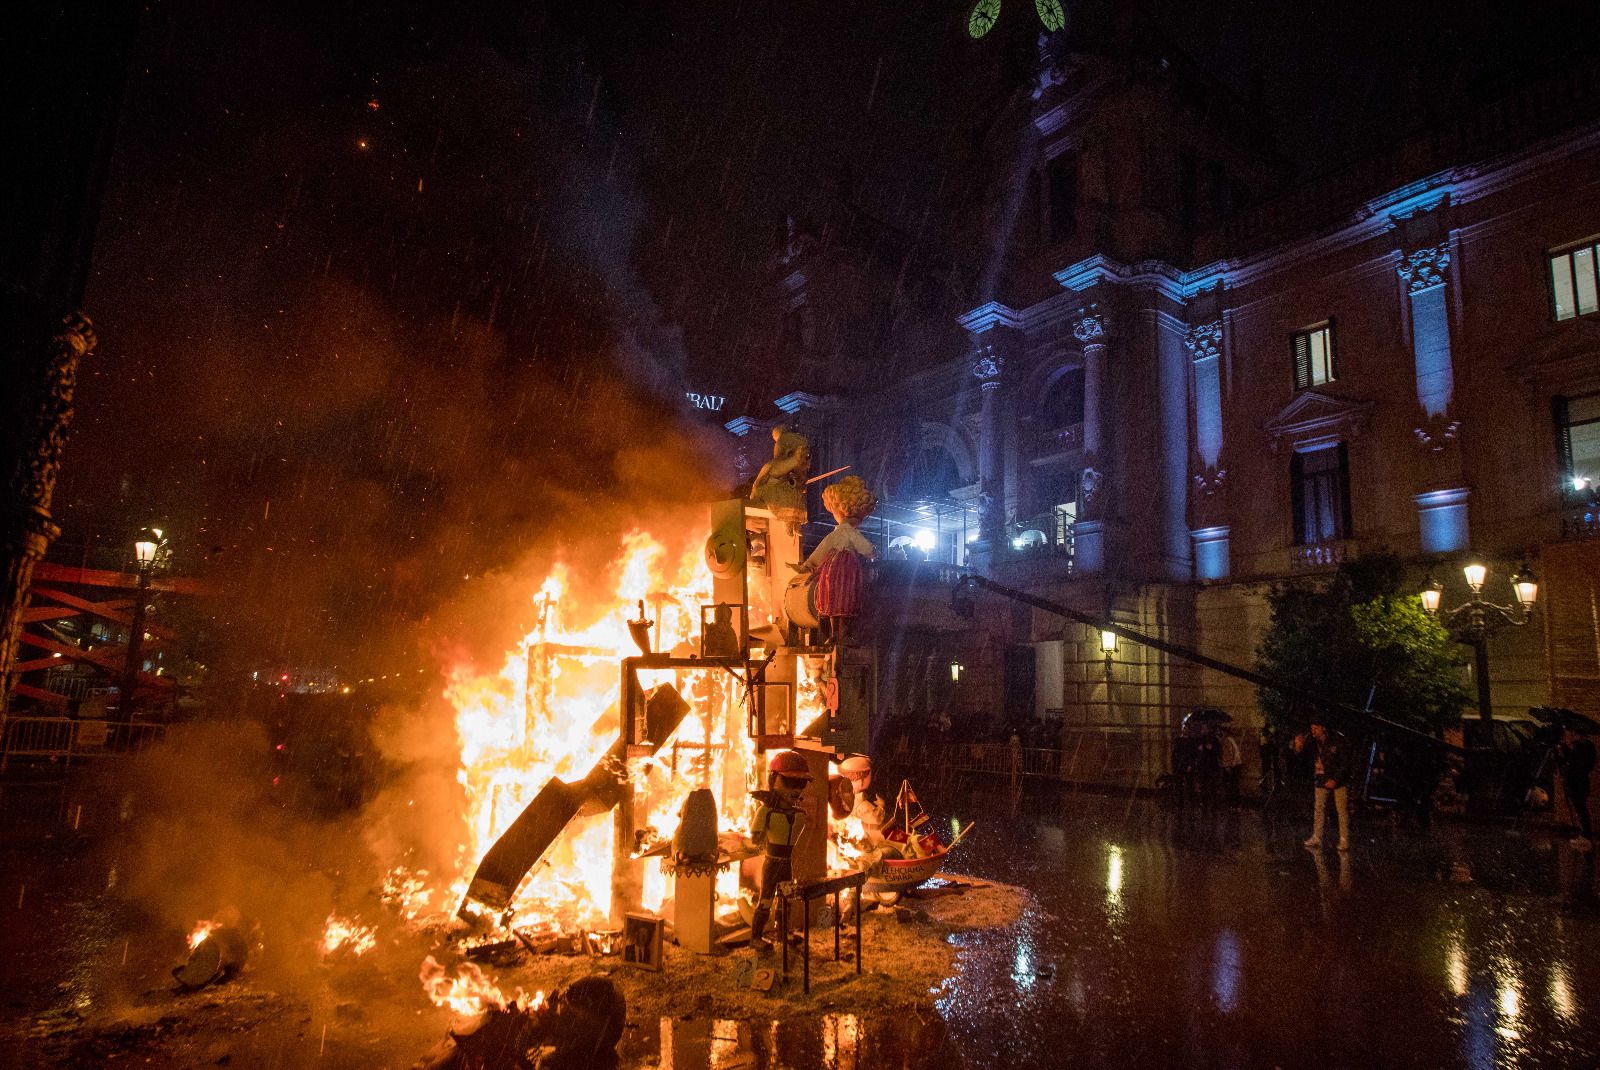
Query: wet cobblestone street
(1154, 940)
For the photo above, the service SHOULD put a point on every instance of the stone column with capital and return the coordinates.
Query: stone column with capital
(1442, 497)
(1208, 485)
(988, 366)
(1091, 328)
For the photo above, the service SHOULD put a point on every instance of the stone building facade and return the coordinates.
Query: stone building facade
(1191, 382)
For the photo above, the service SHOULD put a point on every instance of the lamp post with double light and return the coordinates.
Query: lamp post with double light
(145, 548)
(1476, 621)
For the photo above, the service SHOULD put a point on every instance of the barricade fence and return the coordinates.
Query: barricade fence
(1121, 756)
(65, 739)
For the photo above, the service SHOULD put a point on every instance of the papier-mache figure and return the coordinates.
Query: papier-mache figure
(781, 484)
(776, 828)
(837, 558)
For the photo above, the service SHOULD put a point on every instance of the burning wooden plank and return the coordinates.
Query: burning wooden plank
(535, 831)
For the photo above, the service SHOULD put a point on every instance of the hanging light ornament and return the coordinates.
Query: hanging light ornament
(985, 13)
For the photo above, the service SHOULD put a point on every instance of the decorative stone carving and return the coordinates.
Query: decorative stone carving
(1208, 503)
(1204, 340)
(1091, 326)
(1425, 267)
(987, 366)
(1438, 434)
(1313, 415)
(1210, 482)
(1092, 488)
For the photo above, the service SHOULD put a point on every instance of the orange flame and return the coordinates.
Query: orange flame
(202, 929)
(552, 710)
(467, 990)
(352, 936)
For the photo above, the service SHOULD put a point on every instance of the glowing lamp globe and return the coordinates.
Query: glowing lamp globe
(1431, 594)
(1475, 574)
(1108, 642)
(144, 550)
(1527, 585)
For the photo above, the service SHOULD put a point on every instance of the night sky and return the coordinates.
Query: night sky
(387, 292)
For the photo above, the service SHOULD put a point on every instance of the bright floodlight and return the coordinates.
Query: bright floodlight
(923, 539)
(1475, 574)
(1527, 585)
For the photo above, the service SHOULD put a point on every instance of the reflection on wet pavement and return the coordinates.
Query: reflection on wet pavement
(1221, 942)
(1152, 942)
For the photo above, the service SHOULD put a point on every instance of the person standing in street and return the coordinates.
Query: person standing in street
(1330, 763)
(1232, 766)
(1575, 756)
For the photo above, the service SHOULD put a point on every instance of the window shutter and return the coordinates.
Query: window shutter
(1302, 360)
(1297, 498)
(1346, 528)
(1558, 408)
(1333, 357)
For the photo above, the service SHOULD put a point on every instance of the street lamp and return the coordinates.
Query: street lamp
(145, 548)
(1476, 621)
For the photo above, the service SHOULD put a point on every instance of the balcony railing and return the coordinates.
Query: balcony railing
(1051, 441)
(1316, 556)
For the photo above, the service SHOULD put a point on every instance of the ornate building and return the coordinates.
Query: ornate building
(1189, 380)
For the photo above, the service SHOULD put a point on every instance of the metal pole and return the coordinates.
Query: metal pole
(1480, 670)
(130, 665)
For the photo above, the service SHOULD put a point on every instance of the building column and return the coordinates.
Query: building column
(1207, 506)
(1089, 547)
(1442, 503)
(987, 367)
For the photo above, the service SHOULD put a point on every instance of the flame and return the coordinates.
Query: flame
(339, 933)
(467, 990)
(552, 710)
(201, 930)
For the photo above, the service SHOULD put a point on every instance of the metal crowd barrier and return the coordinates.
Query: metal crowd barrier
(1124, 756)
(62, 739)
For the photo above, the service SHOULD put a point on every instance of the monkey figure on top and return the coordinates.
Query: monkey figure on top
(777, 826)
(780, 486)
(836, 562)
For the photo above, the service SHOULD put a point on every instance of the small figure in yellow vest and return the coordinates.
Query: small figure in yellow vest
(776, 829)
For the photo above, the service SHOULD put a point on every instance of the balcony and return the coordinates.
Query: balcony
(1320, 556)
(1052, 442)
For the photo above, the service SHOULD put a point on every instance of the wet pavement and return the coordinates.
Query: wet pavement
(1155, 940)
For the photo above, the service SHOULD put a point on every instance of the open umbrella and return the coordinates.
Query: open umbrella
(1560, 715)
(1207, 715)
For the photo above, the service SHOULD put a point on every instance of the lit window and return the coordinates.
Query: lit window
(1319, 484)
(1572, 282)
(1313, 356)
(1578, 428)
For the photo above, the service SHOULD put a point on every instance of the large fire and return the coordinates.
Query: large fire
(552, 710)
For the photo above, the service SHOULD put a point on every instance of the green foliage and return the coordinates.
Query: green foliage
(1358, 634)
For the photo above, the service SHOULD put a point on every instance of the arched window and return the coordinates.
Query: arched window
(933, 473)
(1063, 401)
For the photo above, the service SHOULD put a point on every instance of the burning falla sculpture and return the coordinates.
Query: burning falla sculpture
(780, 486)
(773, 696)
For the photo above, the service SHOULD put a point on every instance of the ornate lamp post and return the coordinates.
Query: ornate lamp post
(144, 553)
(1476, 621)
